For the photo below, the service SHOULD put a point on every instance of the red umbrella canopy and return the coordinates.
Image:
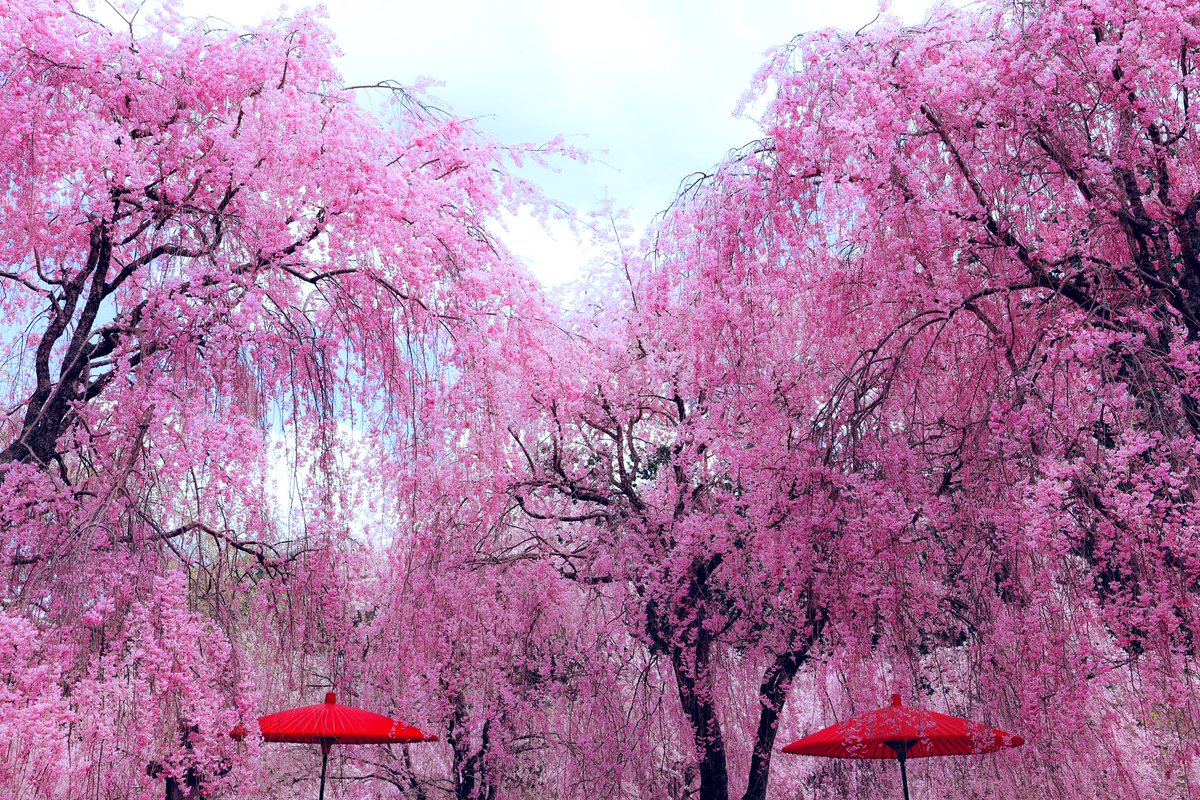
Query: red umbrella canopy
(331, 723)
(888, 731)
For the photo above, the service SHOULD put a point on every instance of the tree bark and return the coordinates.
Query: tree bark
(772, 694)
(691, 667)
(776, 683)
(471, 781)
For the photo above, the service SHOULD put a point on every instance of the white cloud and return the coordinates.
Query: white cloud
(650, 86)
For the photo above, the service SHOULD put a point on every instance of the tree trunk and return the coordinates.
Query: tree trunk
(471, 781)
(776, 682)
(189, 790)
(772, 694)
(691, 669)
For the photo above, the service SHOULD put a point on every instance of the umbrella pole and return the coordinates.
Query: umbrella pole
(902, 757)
(324, 761)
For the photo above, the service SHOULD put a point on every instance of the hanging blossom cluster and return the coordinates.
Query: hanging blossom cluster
(223, 282)
(901, 398)
(906, 397)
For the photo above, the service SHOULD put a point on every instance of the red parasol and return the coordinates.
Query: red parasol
(330, 723)
(899, 732)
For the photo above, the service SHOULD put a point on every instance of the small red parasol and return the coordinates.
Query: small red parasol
(331, 723)
(896, 731)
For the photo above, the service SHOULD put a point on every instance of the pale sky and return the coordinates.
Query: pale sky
(649, 87)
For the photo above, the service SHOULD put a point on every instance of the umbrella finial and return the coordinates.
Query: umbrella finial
(331, 697)
(896, 700)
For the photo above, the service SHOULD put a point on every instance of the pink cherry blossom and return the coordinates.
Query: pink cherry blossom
(902, 397)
